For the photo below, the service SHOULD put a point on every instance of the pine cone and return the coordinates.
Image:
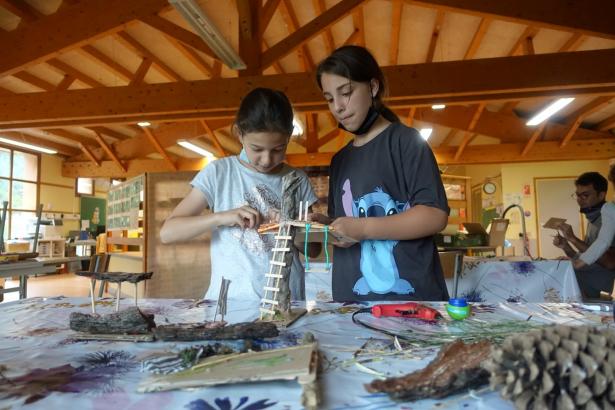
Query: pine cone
(557, 367)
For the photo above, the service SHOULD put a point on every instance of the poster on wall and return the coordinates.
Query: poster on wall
(124, 204)
(94, 210)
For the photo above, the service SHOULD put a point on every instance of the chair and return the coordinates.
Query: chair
(452, 266)
(100, 263)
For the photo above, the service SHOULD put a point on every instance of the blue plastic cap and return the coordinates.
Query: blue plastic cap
(461, 302)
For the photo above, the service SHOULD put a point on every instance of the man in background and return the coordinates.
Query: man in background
(590, 193)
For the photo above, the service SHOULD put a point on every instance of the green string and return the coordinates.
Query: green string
(305, 250)
(326, 247)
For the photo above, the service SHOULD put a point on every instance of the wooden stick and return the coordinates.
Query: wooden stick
(117, 300)
(136, 294)
(92, 285)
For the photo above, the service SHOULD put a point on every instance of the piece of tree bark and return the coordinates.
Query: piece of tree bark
(128, 321)
(203, 331)
(117, 277)
(456, 368)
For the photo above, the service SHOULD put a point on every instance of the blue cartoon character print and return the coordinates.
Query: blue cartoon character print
(378, 267)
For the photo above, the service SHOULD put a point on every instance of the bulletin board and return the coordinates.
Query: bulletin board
(124, 202)
(93, 210)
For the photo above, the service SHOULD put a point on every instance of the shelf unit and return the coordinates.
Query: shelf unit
(458, 190)
(51, 248)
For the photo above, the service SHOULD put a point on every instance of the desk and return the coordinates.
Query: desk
(494, 280)
(468, 250)
(104, 375)
(30, 267)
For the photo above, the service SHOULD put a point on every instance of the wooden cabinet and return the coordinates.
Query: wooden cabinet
(458, 195)
(51, 248)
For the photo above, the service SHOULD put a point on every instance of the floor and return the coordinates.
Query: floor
(66, 284)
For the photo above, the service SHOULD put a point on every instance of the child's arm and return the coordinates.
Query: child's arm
(186, 221)
(604, 239)
(417, 222)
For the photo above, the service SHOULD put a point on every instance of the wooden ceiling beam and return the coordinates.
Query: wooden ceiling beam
(250, 40)
(328, 137)
(470, 134)
(311, 125)
(34, 80)
(575, 119)
(214, 139)
(132, 44)
(156, 144)
(529, 32)
(277, 67)
(359, 24)
(485, 22)
(173, 30)
(64, 68)
(110, 152)
(89, 154)
(41, 142)
(474, 154)
(573, 43)
(319, 7)
(70, 27)
(194, 57)
(537, 132)
(397, 8)
(434, 36)
(543, 13)
(410, 116)
(109, 132)
(449, 137)
(79, 139)
(22, 10)
(139, 75)
(266, 14)
(451, 82)
(99, 57)
(292, 23)
(66, 82)
(308, 31)
(606, 124)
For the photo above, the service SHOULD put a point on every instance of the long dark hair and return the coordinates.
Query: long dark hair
(357, 64)
(265, 110)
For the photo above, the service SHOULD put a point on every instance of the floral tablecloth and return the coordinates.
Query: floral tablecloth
(489, 280)
(41, 363)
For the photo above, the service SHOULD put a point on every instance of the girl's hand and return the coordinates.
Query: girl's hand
(578, 264)
(350, 228)
(320, 218)
(243, 217)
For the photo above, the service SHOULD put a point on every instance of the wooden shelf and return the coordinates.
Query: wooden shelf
(114, 240)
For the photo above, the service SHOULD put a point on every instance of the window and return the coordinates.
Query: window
(19, 188)
(84, 186)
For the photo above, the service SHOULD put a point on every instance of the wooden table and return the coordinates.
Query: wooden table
(30, 267)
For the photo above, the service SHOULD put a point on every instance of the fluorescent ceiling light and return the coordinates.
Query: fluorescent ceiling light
(426, 133)
(28, 146)
(205, 28)
(549, 111)
(297, 127)
(144, 123)
(195, 148)
(438, 107)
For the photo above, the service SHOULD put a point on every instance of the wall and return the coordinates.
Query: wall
(57, 193)
(516, 176)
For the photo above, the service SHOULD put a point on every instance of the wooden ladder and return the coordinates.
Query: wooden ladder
(283, 241)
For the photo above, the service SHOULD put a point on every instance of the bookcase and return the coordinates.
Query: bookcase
(458, 190)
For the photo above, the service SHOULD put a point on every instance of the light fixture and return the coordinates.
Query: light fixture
(438, 107)
(28, 146)
(297, 128)
(205, 28)
(426, 133)
(549, 111)
(144, 123)
(195, 148)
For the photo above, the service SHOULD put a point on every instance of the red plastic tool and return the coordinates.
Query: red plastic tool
(410, 309)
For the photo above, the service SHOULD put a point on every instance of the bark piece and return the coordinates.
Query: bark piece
(456, 367)
(128, 321)
(117, 277)
(204, 331)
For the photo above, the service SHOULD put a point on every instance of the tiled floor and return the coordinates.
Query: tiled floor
(66, 284)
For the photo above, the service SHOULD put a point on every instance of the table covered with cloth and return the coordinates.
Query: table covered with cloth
(494, 280)
(42, 364)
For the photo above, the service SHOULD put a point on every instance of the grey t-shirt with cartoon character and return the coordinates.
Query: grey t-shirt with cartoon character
(242, 255)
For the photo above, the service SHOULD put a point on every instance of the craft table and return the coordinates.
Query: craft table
(38, 349)
(30, 267)
(500, 280)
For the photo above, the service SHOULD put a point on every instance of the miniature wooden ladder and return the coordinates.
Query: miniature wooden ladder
(283, 241)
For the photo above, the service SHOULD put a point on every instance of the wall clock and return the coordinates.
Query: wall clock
(489, 188)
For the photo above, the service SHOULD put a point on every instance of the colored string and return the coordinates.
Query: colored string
(326, 247)
(305, 249)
